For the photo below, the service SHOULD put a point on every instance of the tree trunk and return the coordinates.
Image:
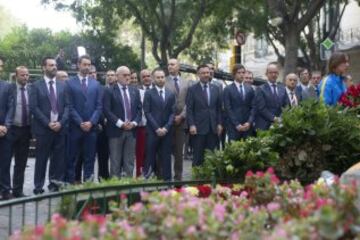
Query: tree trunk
(142, 60)
(291, 49)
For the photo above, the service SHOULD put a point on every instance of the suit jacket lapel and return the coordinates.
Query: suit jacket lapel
(45, 89)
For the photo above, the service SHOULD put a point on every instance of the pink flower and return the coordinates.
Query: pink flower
(249, 174)
(274, 179)
(270, 170)
(137, 207)
(191, 230)
(219, 212)
(39, 230)
(273, 206)
(321, 202)
(260, 174)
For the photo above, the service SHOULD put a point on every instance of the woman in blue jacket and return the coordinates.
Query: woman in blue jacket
(333, 86)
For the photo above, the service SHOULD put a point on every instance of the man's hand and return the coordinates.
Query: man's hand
(86, 126)
(159, 132)
(243, 127)
(128, 125)
(193, 130)
(219, 129)
(3, 131)
(178, 119)
(56, 127)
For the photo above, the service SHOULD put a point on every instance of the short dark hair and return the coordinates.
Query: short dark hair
(202, 66)
(158, 69)
(336, 59)
(84, 57)
(44, 60)
(303, 69)
(236, 68)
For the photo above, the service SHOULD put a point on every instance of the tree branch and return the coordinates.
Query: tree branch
(187, 42)
(141, 20)
(313, 9)
(154, 51)
(334, 29)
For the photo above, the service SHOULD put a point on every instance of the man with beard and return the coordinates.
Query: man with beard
(85, 102)
(159, 109)
(203, 114)
(20, 134)
(49, 106)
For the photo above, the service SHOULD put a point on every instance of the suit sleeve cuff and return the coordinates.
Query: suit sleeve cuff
(119, 123)
(135, 123)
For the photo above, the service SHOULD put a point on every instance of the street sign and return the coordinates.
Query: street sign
(327, 43)
(240, 38)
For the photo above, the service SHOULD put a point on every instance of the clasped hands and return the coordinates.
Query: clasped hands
(161, 132)
(55, 126)
(3, 131)
(243, 127)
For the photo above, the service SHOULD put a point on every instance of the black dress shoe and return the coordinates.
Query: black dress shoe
(38, 191)
(53, 187)
(19, 195)
(6, 196)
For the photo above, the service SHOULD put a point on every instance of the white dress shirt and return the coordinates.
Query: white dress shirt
(120, 122)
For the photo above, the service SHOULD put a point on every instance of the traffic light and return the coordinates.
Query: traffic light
(235, 56)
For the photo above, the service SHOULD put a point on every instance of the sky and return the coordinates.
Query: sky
(35, 15)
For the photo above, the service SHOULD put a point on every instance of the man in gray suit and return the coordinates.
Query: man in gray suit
(306, 90)
(179, 87)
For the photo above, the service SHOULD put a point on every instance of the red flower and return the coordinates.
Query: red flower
(270, 170)
(274, 179)
(204, 191)
(249, 174)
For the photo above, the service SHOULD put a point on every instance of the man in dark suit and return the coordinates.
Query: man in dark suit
(292, 92)
(203, 114)
(50, 110)
(20, 132)
(270, 99)
(159, 109)
(85, 102)
(239, 102)
(6, 115)
(122, 108)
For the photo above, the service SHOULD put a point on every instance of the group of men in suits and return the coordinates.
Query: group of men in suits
(149, 122)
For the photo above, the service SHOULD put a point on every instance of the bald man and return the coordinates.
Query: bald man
(270, 99)
(179, 87)
(62, 76)
(123, 110)
(293, 94)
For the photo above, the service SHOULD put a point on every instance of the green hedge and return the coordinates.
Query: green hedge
(311, 138)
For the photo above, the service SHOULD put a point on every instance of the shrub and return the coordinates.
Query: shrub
(237, 158)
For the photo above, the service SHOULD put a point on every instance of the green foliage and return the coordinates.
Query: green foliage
(27, 47)
(313, 138)
(237, 158)
(310, 139)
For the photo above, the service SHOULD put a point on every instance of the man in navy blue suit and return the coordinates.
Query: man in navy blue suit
(123, 110)
(6, 114)
(50, 110)
(204, 106)
(239, 103)
(85, 104)
(270, 99)
(159, 109)
(20, 132)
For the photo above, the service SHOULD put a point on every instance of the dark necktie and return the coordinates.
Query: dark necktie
(161, 96)
(53, 100)
(293, 101)
(241, 92)
(176, 81)
(274, 92)
(147, 88)
(206, 93)
(83, 85)
(127, 105)
(24, 114)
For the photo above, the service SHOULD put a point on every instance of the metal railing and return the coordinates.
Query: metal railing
(15, 214)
